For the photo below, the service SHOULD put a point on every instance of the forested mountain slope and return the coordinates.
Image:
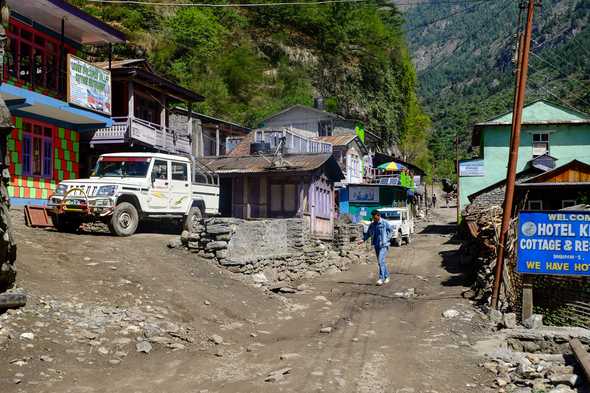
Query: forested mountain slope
(251, 62)
(463, 52)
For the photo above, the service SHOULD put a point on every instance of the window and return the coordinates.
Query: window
(37, 151)
(179, 171)
(536, 205)
(540, 144)
(34, 57)
(160, 170)
(325, 127)
(567, 203)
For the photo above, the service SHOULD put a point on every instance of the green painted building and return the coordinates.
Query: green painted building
(547, 128)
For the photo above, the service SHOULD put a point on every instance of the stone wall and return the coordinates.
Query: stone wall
(274, 249)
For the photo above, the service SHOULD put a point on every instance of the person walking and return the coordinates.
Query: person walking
(380, 232)
(433, 200)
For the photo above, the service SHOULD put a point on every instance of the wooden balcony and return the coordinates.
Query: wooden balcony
(133, 130)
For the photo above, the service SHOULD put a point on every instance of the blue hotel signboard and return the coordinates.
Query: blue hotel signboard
(555, 243)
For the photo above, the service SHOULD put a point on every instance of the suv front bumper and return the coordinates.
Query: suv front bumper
(95, 206)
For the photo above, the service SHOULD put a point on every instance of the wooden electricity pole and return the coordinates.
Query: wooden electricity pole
(458, 179)
(519, 96)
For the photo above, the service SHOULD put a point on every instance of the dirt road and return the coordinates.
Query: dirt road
(129, 315)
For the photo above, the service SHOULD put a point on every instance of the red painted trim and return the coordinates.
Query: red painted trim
(120, 159)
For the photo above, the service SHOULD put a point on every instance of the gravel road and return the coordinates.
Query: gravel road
(110, 314)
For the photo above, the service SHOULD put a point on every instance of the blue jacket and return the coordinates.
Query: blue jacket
(380, 232)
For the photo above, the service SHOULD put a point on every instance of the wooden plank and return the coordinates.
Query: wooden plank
(527, 297)
(36, 216)
(582, 356)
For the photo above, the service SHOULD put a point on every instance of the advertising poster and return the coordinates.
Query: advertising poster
(364, 194)
(555, 243)
(89, 86)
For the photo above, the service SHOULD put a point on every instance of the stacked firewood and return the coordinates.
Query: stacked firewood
(482, 225)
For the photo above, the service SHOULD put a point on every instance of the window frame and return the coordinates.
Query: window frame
(544, 137)
(46, 153)
(564, 203)
(183, 164)
(40, 43)
(532, 201)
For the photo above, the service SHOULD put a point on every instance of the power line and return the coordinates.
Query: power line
(551, 93)
(153, 3)
(436, 20)
(579, 45)
(576, 97)
(464, 41)
(286, 3)
(556, 68)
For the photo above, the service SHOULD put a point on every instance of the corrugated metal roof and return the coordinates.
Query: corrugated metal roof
(243, 148)
(291, 163)
(122, 63)
(258, 164)
(339, 140)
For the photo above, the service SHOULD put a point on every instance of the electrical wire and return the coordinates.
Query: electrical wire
(551, 93)
(555, 67)
(153, 3)
(436, 20)
(572, 96)
(286, 3)
(464, 41)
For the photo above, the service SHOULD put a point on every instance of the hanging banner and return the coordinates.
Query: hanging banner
(554, 243)
(89, 86)
(360, 131)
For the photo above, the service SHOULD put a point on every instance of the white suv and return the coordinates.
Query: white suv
(402, 221)
(126, 188)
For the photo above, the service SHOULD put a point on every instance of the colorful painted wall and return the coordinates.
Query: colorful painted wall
(389, 196)
(66, 151)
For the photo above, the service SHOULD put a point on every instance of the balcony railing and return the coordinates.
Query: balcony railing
(293, 142)
(134, 130)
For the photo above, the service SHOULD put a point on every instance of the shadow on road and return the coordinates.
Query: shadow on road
(451, 262)
(439, 229)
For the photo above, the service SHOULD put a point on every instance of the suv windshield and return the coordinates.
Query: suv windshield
(391, 215)
(122, 167)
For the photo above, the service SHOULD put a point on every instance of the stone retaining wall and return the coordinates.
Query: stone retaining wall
(274, 249)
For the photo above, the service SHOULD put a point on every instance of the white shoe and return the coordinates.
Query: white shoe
(380, 282)
(386, 280)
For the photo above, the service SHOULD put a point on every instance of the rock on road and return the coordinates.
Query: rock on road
(128, 315)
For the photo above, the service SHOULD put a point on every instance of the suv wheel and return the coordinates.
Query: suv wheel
(124, 220)
(397, 240)
(193, 219)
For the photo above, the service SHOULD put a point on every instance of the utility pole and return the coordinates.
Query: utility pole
(519, 96)
(458, 178)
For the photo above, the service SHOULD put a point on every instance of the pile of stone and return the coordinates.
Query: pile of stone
(535, 373)
(274, 250)
(537, 359)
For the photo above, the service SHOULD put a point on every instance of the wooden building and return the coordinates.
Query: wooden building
(211, 136)
(142, 102)
(51, 103)
(294, 185)
(562, 187)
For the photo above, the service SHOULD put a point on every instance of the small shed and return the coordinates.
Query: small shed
(293, 185)
(562, 187)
